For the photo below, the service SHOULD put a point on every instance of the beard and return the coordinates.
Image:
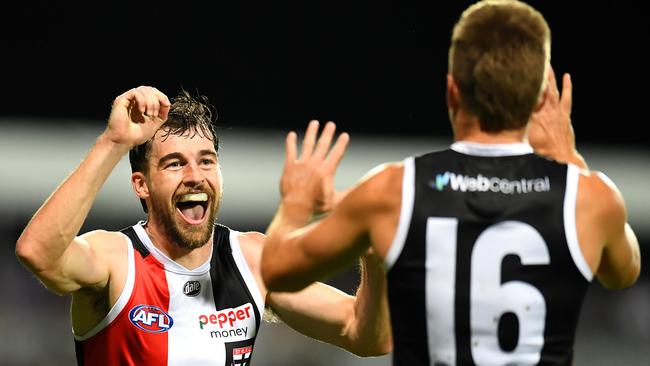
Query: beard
(184, 235)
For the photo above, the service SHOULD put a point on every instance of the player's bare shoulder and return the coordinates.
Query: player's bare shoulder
(600, 204)
(601, 194)
(254, 238)
(384, 172)
(380, 188)
(104, 242)
(389, 176)
(252, 243)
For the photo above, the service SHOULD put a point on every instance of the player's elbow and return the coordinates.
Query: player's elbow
(616, 284)
(624, 282)
(373, 348)
(379, 349)
(619, 281)
(378, 341)
(27, 254)
(31, 255)
(386, 346)
(382, 348)
(620, 268)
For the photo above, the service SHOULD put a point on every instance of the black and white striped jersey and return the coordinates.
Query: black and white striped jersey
(485, 267)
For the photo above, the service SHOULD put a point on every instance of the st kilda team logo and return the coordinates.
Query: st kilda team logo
(192, 288)
(239, 353)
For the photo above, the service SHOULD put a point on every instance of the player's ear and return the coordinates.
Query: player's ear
(139, 183)
(542, 99)
(453, 94)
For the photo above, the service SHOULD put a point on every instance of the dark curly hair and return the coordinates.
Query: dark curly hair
(188, 116)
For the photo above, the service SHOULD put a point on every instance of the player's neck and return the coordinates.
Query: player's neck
(467, 128)
(188, 258)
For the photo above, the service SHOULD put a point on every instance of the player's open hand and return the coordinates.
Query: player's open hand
(550, 130)
(136, 115)
(308, 178)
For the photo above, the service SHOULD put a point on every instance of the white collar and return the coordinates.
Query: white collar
(169, 263)
(479, 149)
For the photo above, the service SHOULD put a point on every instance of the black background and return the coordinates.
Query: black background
(375, 67)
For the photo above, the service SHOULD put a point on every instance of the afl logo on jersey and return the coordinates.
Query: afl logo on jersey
(192, 288)
(150, 318)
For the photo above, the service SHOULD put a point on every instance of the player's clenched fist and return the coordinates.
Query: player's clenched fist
(136, 115)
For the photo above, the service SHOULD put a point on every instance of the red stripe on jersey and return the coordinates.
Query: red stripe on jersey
(122, 342)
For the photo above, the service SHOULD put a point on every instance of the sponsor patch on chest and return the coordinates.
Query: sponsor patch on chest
(192, 288)
(233, 323)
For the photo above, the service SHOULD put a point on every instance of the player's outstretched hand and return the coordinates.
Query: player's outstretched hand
(308, 177)
(550, 130)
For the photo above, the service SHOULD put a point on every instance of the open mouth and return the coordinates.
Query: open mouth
(193, 207)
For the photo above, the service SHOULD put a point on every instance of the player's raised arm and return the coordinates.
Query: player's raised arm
(306, 188)
(550, 130)
(49, 246)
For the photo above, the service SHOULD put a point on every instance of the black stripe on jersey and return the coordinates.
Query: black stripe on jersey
(228, 285)
(406, 283)
(135, 241)
(79, 352)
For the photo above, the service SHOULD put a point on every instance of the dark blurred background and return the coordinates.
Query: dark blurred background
(376, 68)
(370, 65)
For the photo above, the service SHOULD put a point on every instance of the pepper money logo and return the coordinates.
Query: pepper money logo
(231, 323)
(151, 319)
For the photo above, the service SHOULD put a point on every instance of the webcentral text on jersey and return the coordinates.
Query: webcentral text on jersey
(480, 183)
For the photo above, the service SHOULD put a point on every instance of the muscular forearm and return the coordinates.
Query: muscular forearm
(277, 270)
(325, 313)
(371, 331)
(60, 218)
